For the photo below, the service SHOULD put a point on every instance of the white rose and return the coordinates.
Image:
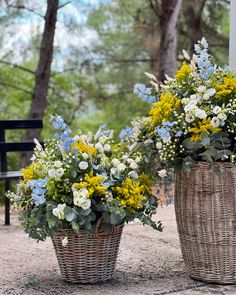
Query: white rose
(52, 173)
(59, 172)
(125, 157)
(83, 165)
(211, 92)
(86, 204)
(107, 148)
(185, 101)
(59, 211)
(99, 146)
(162, 173)
(215, 122)
(201, 114)
(115, 162)
(189, 118)
(134, 166)
(206, 96)
(158, 145)
(190, 106)
(222, 116)
(121, 167)
(85, 156)
(166, 139)
(217, 110)
(58, 164)
(133, 174)
(80, 196)
(129, 160)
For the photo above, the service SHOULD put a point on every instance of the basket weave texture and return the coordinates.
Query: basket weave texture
(205, 207)
(87, 258)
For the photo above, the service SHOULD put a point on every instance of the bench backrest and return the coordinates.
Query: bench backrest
(6, 147)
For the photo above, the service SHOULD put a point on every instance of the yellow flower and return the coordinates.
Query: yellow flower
(29, 173)
(201, 127)
(92, 184)
(183, 72)
(130, 195)
(228, 87)
(163, 109)
(83, 148)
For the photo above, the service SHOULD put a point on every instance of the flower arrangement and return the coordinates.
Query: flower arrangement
(74, 182)
(192, 116)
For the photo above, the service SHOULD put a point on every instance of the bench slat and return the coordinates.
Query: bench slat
(21, 124)
(17, 146)
(10, 175)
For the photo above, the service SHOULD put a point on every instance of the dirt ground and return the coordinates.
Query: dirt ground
(149, 263)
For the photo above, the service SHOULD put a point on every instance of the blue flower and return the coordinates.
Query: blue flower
(178, 134)
(144, 93)
(58, 123)
(168, 124)
(38, 190)
(163, 132)
(126, 133)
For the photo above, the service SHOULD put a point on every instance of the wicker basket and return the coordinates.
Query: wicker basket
(205, 206)
(88, 258)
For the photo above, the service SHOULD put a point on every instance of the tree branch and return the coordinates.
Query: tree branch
(64, 4)
(15, 87)
(17, 66)
(23, 7)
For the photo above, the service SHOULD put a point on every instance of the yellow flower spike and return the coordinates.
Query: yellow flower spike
(83, 148)
(29, 173)
(228, 87)
(201, 127)
(163, 109)
(183, 72)
(130, 195)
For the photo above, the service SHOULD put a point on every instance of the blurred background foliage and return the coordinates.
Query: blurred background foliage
(101, 49)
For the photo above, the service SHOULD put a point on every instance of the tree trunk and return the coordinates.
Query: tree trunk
(39, 96)
(170, 10)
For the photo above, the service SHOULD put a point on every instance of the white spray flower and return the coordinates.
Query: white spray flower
(159, 145)
(121, 167)
(52, 173)
(134, 165)
(222, 116)
(133, 174)
(201, 114)
(107, 148)
(216, 110)
(115, 162)
(215, 122)
(58, 164)
(59, 211)
(162, 173)
(64, 242)
(59, 172)
(85, 204)
(83, 165)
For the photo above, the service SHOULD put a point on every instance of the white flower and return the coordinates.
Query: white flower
(137, 220)
(85, 156)
(162, 173)
(191, 106)
(151, 76)
(115, 162)
(85, 204)
(83, 165)
(80, 196)
(134, 165)
(201, 88)
(133, 174)
(59, 172)
(217, 110)
(201, 114)
(129, 160)
(185, 100)
(186, 55)
(125, 157)
(211, 91)
(121, 167)
(64, 242)
(148, 141)
(222, 116)
(113, 171)
(189, 118)
(158, 145)
(107, 147)
(166, 139)
(215, 122)
(58, 164)
(99, 146)
(138, 159)
(52, 173)
(59, 211)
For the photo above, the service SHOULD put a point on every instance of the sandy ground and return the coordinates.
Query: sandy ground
(149, 263)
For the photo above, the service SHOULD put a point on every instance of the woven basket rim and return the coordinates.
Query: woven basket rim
(205, 165)
(82, 232)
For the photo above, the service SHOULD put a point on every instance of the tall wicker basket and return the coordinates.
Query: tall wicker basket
(205, 206)
(88, 258)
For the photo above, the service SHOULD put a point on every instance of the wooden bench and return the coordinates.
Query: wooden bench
(6, 147)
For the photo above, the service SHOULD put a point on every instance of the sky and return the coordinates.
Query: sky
(16, 36)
